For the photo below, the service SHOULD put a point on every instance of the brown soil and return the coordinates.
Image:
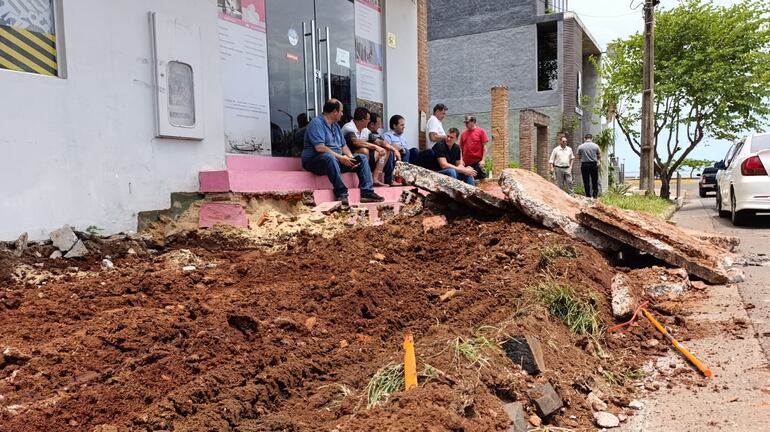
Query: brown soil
(253, 341)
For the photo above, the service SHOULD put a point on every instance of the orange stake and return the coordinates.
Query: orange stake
(697, 363)
(410, 364)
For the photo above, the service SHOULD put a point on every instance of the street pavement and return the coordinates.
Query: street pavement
(734, 341)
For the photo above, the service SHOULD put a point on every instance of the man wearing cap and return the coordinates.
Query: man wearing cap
(561, 164)
(473, 143)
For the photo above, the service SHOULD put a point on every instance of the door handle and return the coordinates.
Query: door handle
(304, 65)
(315, 67)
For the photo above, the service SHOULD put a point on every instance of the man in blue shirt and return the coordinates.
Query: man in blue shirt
(396, 139)
(325, 153)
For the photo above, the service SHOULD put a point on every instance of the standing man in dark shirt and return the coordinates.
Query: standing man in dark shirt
(325, 153)
(450, 161)
(589, 155)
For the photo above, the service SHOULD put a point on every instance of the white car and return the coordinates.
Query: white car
(743, 183)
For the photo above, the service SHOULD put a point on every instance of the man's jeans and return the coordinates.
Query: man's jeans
(328, 165)
(590, 172)
(564, 178)
(451, 172)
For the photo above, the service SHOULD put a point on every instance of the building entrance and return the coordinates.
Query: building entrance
(311, 58)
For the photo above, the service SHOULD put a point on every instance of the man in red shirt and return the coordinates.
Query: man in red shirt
(473, 143)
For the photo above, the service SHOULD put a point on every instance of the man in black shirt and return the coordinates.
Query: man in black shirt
(450, 161)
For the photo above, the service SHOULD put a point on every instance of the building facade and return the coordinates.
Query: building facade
(545, 56)
(107, 107)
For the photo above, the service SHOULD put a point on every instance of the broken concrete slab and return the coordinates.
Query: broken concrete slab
(64, 238)
(21, 244)
(664, 241)
(546, 400)
(623, 300)
(515, 411)
(659, 281)
(550, 206)
(79, 250)
(457, 190)
(726, 242)
(526, 352)
(328, 207)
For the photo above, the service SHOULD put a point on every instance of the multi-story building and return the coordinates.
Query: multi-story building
(543, 53)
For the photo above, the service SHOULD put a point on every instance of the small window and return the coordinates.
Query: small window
(181, 95)
(28, 36)
(547, 57)
(736, 152)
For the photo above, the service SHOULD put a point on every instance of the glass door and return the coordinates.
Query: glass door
(309, 60)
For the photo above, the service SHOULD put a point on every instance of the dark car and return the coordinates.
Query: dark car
(708, 181)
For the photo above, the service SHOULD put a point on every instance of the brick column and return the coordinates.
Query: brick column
(542, 150)
(422, 65)
(526, 123)
(499, 129)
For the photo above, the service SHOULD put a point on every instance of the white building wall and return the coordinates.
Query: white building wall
(401, 66)
(82, 150)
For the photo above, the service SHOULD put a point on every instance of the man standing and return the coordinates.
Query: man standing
(561, 164)
(325, 153)
(589, 154)
(473, 143)
(450, 161)
(358, 136)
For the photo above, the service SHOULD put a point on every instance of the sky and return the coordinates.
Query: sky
(611, 19)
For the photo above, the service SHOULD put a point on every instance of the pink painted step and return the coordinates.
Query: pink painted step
(222, 214)
(391, 194)
(263, 163)
(268, 181)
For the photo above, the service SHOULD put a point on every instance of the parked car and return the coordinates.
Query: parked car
(743, 183)
(708, 181)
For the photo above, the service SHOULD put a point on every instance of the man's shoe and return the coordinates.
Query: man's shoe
(344, 204)
(371, 197)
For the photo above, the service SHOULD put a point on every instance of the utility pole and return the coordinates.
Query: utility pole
(647, 159)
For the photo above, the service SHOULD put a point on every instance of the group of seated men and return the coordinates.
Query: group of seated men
(358, 147)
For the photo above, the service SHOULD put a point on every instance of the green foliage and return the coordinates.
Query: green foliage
(94, 231)
(579, 190)
(651, 204)
(550, 253)
(488, 165)
(513, 164)
(605, 139)
(619, 189)
(472, 348)
(384, 382)
(712, 78)
(578, 314)
(694, 164)
(619, 379)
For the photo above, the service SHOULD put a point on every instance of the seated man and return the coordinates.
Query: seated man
(375, 129)
(358, 136)
(450, 160)
(396, 138)
(325, 153)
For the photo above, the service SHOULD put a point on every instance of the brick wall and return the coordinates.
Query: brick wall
(422, 64)
(499, 129)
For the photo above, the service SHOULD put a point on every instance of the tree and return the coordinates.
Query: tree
(712, 78)
(694, 164)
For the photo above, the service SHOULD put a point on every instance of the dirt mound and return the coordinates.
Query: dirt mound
(289, 341)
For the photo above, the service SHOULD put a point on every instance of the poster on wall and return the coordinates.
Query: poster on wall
(369, 63)
(243, 60)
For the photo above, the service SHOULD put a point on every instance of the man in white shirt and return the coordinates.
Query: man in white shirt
(434, 130)
(358, 137)
(561, 164)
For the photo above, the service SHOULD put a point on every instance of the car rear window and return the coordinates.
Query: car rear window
(760, 142)
(710, 171)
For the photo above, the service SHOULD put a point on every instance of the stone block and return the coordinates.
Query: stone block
(623, 300)
(21, 244)
(515, 411)
(79, 250)
(546, 400)
(526, 352)
(64, 238)
(328, 207)
(433, 222)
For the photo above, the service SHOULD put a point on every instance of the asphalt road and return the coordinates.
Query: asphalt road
(700, 213)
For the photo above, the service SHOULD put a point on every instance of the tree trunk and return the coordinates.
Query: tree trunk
(665, 185)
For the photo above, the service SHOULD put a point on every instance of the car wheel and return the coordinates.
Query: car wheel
(739, 218)
(720, 210)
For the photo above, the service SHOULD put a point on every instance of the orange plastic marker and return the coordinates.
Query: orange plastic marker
(697, 363)
(410, 364)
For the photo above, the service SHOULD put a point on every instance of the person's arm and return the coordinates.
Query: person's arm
(435, 136)
(571, 158)
(552, 160)
(433, 130)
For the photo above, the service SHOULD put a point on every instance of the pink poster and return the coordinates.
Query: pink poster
(247, 13)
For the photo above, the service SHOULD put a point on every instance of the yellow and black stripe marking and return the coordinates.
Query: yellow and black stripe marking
(27, 51)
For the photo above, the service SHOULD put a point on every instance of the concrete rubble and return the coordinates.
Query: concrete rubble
(606, 420)
(515, 411)
(21, 244)
(611, 229)
(525, 351)
(623, 300)
(473, 197)
(546, 400)
(548, 205)
(664, 241)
